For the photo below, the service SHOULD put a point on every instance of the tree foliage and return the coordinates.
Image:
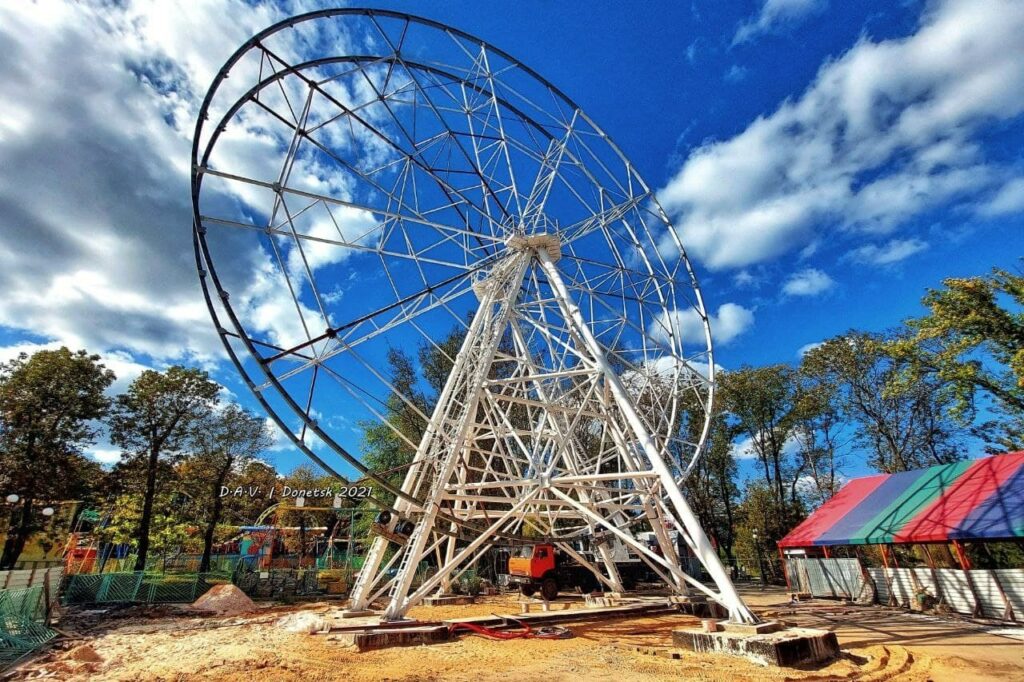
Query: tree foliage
(898, 425)
(49, 407)
(155, 418)
(972, 342)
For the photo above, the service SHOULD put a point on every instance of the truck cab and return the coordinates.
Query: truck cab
(543, 567)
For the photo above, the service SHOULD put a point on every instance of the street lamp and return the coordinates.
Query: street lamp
(12, 499)
(760, 562)
(48, 511)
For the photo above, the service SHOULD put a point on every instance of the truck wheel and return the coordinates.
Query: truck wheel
(527, 590)
(549, 589)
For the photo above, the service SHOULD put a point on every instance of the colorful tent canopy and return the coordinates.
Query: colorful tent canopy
(980, 499)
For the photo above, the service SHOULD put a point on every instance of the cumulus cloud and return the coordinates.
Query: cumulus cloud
(888, 253)
(774, 14)
(99, 104)
(1009, 199)
(730, 321)
(807, 282)
(888, 130)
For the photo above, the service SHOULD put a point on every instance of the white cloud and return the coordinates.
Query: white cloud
(884, 132)
(1009, 199)
(744, 447)
(735, 74)
(807, 348)
(104, 456)
(807, 282)
(730, 321)
(891, 252)
(100, 103)
(775, 13)
(122, 364)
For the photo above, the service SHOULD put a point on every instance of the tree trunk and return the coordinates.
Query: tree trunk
(17, 537)
(147, 510)
(211, 526)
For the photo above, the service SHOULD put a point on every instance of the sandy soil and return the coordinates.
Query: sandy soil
(168, 644)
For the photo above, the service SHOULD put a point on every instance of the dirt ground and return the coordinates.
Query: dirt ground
(173, 644)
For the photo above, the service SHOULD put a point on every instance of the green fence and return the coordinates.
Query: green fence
(139, 587)
(20, 634)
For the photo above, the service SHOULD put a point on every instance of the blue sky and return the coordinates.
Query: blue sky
(824, 162)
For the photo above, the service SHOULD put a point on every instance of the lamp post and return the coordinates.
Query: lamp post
(760, 561)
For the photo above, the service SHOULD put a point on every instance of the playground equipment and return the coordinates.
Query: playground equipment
(368, 180)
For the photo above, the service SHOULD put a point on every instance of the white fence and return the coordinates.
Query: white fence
(991, 594)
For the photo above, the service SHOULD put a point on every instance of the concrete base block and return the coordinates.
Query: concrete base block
(702, 608)
(379, 639)
(787, 647)
(355, 613)
(449, 600)
(762, 628)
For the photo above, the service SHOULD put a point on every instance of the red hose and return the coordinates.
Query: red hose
(526, 633)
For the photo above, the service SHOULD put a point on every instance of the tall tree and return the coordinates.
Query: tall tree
(763, 402)
(155, 418)
(901, 425)
(223, 442)
(972, 342)
(821, 434)
(49, 407)
(711, 487)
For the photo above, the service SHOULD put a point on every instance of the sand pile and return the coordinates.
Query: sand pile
(224, 600)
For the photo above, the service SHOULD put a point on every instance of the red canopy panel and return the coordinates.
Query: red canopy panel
(851, 495)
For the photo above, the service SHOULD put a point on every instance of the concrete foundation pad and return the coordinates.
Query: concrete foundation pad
(786, 647)
(762, 628)
(382, 638)
(449, 600)
(355, 613)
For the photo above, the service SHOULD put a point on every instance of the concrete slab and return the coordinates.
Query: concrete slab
(355, 613)
(787, 647)
(762, 628)
(382, 638)
(449, 600)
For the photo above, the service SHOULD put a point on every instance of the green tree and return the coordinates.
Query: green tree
(763, 402)
(821, 434)
(223, 442)
(305, 477)
(711, 487)
(155, 419)
(49, 407)
(971, 342)
(902, 425)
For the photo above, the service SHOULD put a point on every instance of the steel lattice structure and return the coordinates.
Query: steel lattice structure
(452, 187)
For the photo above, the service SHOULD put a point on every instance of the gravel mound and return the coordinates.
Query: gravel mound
(224, 600)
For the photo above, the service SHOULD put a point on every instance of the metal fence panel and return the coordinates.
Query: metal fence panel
(1012, 580)
(840, 578)
(955, 589)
